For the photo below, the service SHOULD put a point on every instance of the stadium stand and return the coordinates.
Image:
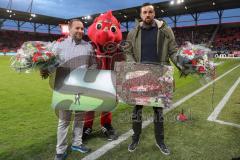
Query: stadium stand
(228, 38)
(12, 40)
(224, 38)
(197, 35)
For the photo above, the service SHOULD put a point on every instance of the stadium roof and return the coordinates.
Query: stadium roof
(164, 9)
(25, 16)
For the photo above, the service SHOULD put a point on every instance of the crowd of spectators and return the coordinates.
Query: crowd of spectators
(12, 40)
(226, 39)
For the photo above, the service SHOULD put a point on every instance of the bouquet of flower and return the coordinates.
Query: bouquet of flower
(34, 55)
(194, 59)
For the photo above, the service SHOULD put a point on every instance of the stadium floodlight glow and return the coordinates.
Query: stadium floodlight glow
(213, 3)
(14, 14)
(89, 17)
(173, 2)
(33, 15)
(125, 16)
(10, 15)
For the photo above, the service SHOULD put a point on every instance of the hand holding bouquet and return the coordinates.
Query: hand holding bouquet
(194, 59)
(34, 55)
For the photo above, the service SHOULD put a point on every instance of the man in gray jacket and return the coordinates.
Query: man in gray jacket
(72, 51)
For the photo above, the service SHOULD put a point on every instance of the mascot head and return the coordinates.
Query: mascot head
(105, 28)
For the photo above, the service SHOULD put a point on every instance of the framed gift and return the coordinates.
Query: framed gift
(144, 84)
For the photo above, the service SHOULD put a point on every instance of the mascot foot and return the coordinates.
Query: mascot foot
(86, 132)
(109, 132)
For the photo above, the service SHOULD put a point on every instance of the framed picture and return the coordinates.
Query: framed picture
(144, 84)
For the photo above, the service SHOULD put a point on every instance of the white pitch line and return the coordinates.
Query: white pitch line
(221, 104)
(218, 63)
(227, 123)
(213, 116)
(198, 90)
(105, 148)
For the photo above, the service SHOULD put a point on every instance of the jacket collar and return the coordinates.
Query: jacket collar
(159, 23)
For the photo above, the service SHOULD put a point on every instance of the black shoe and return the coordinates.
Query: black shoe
(60, 156)
(109, 132)
(86, 132)
(163, 148)
(133, 145)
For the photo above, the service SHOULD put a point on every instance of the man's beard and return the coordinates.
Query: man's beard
(148, 21)
(77, 39)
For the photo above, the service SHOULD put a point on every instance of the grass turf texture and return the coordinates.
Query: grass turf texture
(28, 124)
(231, 111)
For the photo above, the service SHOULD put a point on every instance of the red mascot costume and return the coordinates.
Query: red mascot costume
(104, 30)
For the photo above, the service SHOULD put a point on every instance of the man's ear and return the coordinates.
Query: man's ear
(141, 16)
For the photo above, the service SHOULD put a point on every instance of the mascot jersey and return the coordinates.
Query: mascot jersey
(104, 30)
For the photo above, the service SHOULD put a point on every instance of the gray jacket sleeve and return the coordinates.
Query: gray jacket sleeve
(92, 63)
(172, 49)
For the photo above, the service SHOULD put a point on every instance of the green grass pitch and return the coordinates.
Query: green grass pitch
(28, 123)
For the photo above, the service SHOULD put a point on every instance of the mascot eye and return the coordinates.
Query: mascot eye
(99, 26)
(113, 29)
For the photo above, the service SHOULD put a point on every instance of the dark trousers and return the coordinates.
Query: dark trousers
(158, 123)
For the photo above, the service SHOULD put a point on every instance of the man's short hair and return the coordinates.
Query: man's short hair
(144, 5)
(73, 20)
